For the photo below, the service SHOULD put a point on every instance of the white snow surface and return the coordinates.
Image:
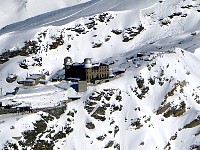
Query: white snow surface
(12, 11)
(112, 31)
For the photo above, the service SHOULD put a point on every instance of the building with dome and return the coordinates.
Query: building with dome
(86, 71)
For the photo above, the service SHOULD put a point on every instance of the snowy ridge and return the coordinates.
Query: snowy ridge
(154, 105)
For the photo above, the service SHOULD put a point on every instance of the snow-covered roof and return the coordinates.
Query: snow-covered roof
(43, 81)
(93, 64)
(77, 64)
(74, 79)
(35, 76)
(29, 81)
(24, 105)
(74, 97)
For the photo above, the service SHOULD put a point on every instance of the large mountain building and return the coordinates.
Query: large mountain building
(86, 71)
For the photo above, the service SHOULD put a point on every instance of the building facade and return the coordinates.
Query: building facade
(36, 78)
(86, 71)
(33, 80)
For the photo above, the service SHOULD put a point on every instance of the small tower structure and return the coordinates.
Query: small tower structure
(68, 61)
(87, 63)
(67, 64)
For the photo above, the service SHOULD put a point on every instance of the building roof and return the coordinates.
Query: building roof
(77, 64)
(35, 76)
(29, 81)
(74, 79)
(74, 97)
(43, 81)
(23, 104)
(93, 64)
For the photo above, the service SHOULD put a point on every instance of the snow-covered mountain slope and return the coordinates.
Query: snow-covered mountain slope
(66, 15)
(12, 11)
(114, 32)
(153, 105)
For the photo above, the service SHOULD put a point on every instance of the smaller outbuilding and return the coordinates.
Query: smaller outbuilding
(36, 78)
(78, 85)
(24, 107)
(29, 82)
(43, 82)
(33, 80)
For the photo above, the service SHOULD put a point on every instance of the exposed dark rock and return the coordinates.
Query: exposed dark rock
(90, 125)
(80, 30)
(105, 17)
(59, 135)
(195, 147)
(9, 145)
(107, 38)
(100, 111)
(70, 113)
(30, 135)
(48, 117)
(136, 124)
(68, 130)
(173, 137)
(101, 118)
(116, 130)
(109, 144)
(130, 33)
(96, 45)
(174, 111)
(117, 146)
(23, 65)
(152, 81)
(116, 31)
(140, 93)
(43, 145)
(187, 6)
(55, 112)
(175, 14)
(140, 82)
(168, 146)
(58, 42)
(142, 143)
(119, 98)
(198, 133)
(164, 22)
(91, 24)
(162, 109)
(194, 123)
(89, 109)
(102, 137)
(87, 136)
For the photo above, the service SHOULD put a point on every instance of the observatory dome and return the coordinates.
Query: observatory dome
(68, 61)
(87, 63)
